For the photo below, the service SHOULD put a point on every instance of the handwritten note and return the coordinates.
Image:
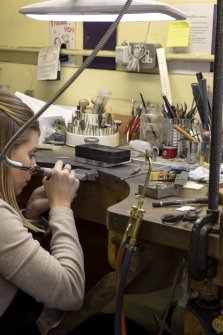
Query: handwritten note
(178, 35)
(48, 63)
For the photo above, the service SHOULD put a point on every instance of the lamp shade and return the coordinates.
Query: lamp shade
(101, 10)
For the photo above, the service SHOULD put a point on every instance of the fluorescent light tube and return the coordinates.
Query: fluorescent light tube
(101, 10)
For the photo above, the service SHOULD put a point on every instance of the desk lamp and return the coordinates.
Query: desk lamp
(101, 10)
(149, 10)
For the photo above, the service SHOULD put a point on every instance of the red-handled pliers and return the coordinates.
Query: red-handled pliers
(132, 127)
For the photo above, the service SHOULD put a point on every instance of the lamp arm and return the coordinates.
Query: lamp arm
(87, 62)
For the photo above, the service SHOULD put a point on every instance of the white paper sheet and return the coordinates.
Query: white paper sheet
(49, 116)
(48, 63)
(200, 17)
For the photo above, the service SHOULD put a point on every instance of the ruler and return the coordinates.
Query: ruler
(163, 70)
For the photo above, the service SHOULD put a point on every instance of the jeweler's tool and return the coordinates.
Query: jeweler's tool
(158, 190)
(190, 216)
(184, 133)
(80, 174)
(148, 117)
(180, 202)
(171, 111)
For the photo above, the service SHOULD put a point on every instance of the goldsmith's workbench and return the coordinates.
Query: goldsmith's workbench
(109, 199)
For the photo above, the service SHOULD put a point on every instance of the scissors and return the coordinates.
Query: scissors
(132, 127)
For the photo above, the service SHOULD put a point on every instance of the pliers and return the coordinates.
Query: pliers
(132, 127)
(190, 216)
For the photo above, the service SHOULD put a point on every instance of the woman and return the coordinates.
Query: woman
(36, 286)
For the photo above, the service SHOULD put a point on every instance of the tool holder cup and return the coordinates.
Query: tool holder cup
(151, 125)
(185, 135)
(76, 134)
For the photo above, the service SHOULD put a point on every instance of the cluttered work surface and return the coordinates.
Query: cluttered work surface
(124, 180)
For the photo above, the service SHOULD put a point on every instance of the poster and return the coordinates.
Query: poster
(63, 33)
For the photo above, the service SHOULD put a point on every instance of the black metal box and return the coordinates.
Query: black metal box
(103, 153)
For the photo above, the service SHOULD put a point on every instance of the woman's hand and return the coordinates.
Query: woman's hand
(37, 203)
(62, 185)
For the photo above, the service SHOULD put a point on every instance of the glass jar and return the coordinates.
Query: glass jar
(151, 125)
(183, 134)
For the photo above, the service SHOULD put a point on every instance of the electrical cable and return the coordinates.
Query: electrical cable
(126, 251)
(119, 301)
(119, 264)
(87, 62)
(147, 32)
(138, 53)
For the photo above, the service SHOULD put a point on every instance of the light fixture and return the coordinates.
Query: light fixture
(101, 10)
(82, 8)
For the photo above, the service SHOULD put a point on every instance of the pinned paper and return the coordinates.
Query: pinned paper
(48, 63)
(178, 35)
(62, 33)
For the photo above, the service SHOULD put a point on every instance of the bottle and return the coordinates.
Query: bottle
(140, 145)
(151, 125)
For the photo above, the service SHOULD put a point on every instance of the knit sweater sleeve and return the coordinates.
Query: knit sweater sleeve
(55, 278)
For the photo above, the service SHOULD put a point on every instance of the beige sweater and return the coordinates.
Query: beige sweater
(57, 278)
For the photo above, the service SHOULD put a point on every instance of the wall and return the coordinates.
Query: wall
(19, 31)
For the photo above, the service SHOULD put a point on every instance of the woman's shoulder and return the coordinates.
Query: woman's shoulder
(8, 215)
(11, 225)
(5, 206)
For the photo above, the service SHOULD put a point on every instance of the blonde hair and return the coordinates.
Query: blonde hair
(13, 114)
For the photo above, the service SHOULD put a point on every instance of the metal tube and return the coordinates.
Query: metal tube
(216, 124)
